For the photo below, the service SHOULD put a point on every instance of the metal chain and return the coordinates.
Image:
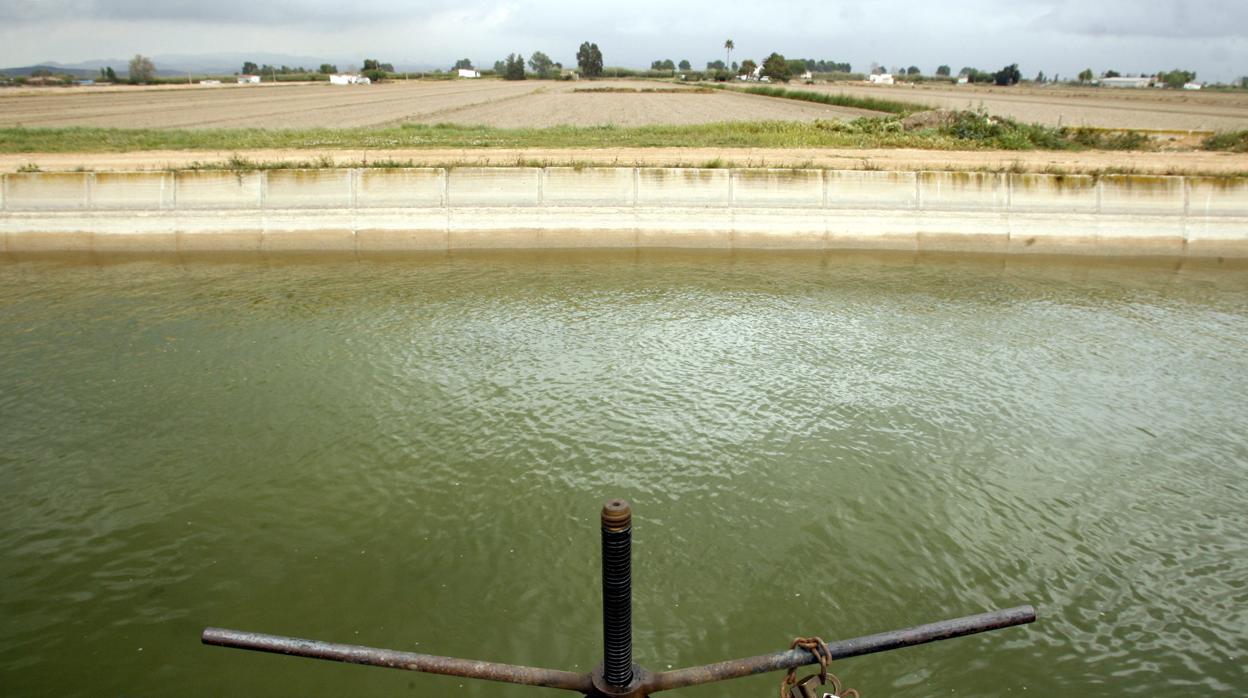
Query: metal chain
(819, 648)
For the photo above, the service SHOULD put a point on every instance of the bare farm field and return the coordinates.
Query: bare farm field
(1178, 110)
(527, 104)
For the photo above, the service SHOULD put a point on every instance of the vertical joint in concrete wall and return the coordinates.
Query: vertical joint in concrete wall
(90, 186)
(264, 188)
(1187, 209)
(1100, 191)
(732, 196)
(446, 207)
(918, 191)
(541, 187)
(353, 185)
(636, 184)
(823, 177)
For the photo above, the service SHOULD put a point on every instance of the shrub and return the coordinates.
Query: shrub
(1103, 140)
(141, 69)
(1234, 141)
(514, 67)
(1007, 134)
(776, 68)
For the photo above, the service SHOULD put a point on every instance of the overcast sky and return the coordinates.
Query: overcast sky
(1061, 36)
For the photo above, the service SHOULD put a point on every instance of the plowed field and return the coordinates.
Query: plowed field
(478, 102)
(1103, 107)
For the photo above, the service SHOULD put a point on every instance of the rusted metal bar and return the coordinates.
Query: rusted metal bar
(411, 661)
(880, 642)
(617, 593)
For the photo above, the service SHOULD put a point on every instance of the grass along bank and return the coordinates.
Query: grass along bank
(966, 130)
(1232, 141)
(1090, 162)
(765, 134)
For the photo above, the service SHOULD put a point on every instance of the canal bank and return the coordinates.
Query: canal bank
(398, 209)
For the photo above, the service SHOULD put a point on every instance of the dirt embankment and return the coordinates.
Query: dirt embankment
(1197, 162)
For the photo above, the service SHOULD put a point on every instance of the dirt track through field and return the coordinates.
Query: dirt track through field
(1146, 108)
(1200, 162)
(478, 102)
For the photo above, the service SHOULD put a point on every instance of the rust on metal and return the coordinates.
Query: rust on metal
(647, 683)
(411, 661)
(617, 515)
(869, 644)
(617, 676)
(617, 597)
(635, 688)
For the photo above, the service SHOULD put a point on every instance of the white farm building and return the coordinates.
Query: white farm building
(1126, 82)
(468, 73)
(348, 79)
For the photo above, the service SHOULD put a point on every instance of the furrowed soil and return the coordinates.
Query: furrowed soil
(321, 105)
(1102, 107)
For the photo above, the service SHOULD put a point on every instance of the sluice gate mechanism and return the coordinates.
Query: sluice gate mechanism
(617, 676)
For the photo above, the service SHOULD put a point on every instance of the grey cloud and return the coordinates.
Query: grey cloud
(219, 11)
(1056, 35)
(1159, 18)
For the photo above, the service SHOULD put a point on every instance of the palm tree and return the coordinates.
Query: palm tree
(729, 46)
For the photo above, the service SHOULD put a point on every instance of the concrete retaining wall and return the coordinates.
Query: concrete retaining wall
(480, 207)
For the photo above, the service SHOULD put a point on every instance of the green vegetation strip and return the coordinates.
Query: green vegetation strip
(766, 134)
(887, 106)
(1234, 141)
(957, 131)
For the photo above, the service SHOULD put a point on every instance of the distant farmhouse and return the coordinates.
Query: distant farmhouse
(756, 74)
(1126, 82)
(249, 79)
(881, 79)
(348, 79)
(469, 73)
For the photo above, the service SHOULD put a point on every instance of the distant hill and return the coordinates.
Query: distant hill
(168, 65)
(53, 68)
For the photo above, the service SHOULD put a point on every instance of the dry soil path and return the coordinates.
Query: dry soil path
(848, 159)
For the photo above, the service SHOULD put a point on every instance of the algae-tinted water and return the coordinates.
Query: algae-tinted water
(411, 453)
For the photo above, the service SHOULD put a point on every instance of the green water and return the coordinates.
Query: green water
(411, 453)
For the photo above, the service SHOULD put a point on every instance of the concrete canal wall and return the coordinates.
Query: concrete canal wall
(369, 210)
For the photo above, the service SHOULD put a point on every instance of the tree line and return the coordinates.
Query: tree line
(588, 63)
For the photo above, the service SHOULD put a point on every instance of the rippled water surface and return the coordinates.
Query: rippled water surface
(411, 453)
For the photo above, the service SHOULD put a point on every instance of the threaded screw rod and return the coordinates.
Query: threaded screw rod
(617, 592)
